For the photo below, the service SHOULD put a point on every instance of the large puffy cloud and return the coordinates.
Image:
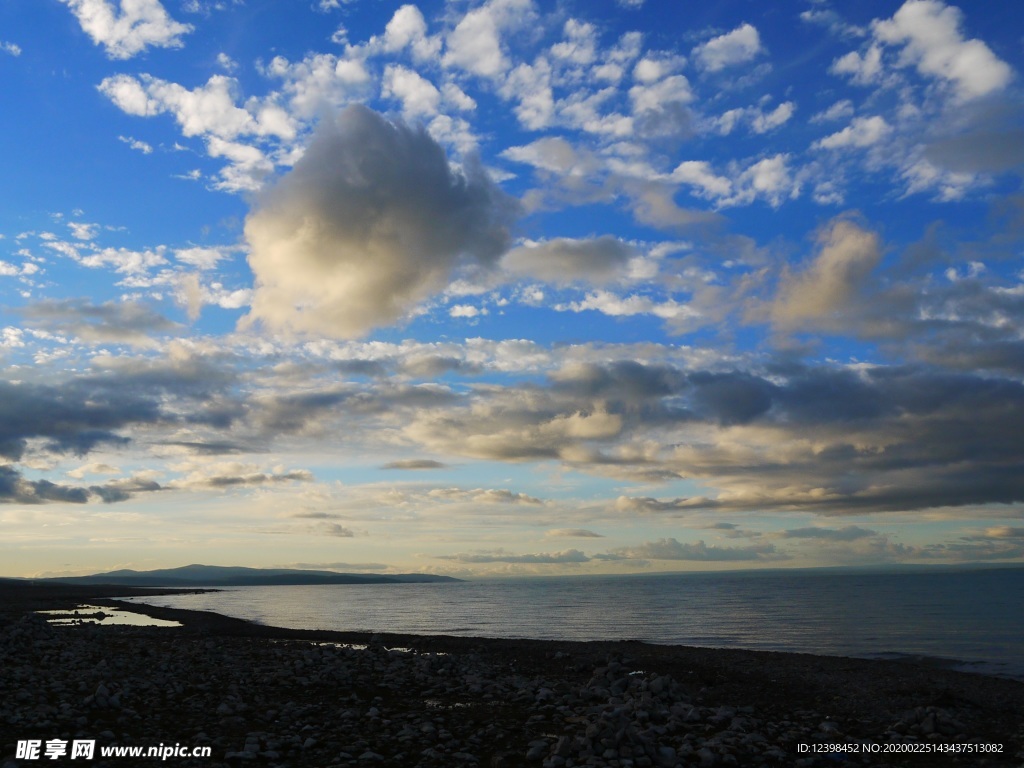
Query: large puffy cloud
(139, 25)
(372, 220)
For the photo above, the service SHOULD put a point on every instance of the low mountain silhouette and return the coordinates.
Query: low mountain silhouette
(236, 576)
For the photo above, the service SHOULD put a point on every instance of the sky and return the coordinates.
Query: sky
(510, 287)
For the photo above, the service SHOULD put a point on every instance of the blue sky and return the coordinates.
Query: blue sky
(510, 287)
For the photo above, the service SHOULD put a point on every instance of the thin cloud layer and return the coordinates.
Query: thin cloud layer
(372, 220)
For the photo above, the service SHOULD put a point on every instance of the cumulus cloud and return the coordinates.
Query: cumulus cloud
(834, 280)
(475, 43)
(408, 29)
(736, 47)
(863, 69)
(861, 132)
(769, 179)
(929, 31)
(419, 97)
(125, 32)
(372, 220)
(209, 109)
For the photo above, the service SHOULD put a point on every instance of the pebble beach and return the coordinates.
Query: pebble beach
(265, 696)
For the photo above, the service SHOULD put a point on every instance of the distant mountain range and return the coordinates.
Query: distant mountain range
(234, 576)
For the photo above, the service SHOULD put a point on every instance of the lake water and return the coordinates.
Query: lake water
(974, 616)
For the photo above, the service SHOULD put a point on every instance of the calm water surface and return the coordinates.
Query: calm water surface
(974, 617)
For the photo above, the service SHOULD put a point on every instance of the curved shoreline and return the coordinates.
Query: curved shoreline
(785, 693)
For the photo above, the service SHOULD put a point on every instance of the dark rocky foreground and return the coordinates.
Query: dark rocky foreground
(265, 696)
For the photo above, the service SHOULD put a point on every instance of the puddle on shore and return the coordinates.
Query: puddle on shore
(106, 616)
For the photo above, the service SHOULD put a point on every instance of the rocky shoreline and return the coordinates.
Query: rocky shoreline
(267, 696)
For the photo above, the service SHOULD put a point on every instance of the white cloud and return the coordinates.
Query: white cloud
(838, 111)
(698, 173)
(457, 98)
(12, 48)
(863, 69)
(530, 85)
(767, 179)
(319, 81)
(923, 176)
(930, 32)
(226, 62)
(758, 120)
(608, 303)
(736, 47)
(140, 24)
(764, 122)
(654, 97)
(201, 258)
(208, 109)
(136, 144)
(418, 95)
(861, 132)
(466, 310)
(408, 29)
(83, 231)
(580, 45)
(475, 43)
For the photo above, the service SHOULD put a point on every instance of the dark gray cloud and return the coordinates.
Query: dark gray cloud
(822, 438)
(15, 489)
(572, 533)
(118, 322)
(122, 490)
(72, 419)
(213, 447)
(414, 464)
(563, 261)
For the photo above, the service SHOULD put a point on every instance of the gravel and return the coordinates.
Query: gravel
(264, 696)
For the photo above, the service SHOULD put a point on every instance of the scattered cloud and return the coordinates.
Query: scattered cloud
(670, 549)
(124, 33)
(741, 45)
